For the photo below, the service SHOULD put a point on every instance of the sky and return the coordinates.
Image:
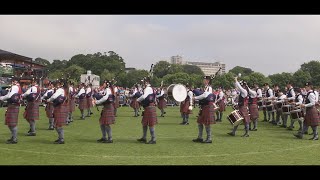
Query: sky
(265, 43)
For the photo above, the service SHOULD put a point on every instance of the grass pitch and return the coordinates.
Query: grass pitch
(270, 145)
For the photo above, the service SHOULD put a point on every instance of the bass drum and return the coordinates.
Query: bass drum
(177, 92)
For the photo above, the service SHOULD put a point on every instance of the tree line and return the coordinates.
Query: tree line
(111, 65)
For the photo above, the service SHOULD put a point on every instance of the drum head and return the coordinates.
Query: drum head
(179, 92)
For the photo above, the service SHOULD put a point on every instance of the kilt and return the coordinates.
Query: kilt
(32, 111)
(49, 110)
(83, 104)
(254, 111)
(72, 105)
(60, 115)
(12, 115)
(149, 116)
(162, 104)
(89, 102)
(245, 114)
(107, 115)
(134, 103)
(116, 102)
(206, 116)
(222, 105)
(184, 107)
(312, 116)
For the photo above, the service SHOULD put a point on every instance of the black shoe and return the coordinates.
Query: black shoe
(299, 136)
(306, 133)
(186, 123)
(29, 131)
(290, 128)
(142, 140)
(231, 134)
(12, 142)
(31, 134)
(151, 142)
(82, 118)
(245, 135)
(56, 140)
(101, 140)
(254, 129)
(250, 129)
(207, 141)
(59, 142)
(108, 141)
(198, 140)
(91, 113)
(51, 128)
(164, 112)
(314, 138)
(10, 139)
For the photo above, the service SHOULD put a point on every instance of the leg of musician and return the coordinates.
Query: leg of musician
(60, 132)
(144, 134)
(186, 119)
(300, 125)
(104, 133)
(315, 133)
(153, 135)
(183, 118)
(291, 124)
(32, 131)
(51, 122)
(14, 132)
(264, 115)
(255, 125)
(109, 132)
(269, 114)
(200, 129)
(285, 119)
(82, 114)
(221, 114)
(234, 130)
(208, 130)
(218, 116)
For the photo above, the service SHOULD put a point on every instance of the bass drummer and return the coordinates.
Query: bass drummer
(243, 107)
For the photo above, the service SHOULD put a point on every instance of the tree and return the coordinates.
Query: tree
(281, 79)
(74, 72)
(192, 69)
(225, 81)
(135, 76)
(161, 69)
(300, 77)
(256, 77)
(182, 78)
(57, 74)
(313, 68)
(42, 61)
(243, 70)
(106, 75)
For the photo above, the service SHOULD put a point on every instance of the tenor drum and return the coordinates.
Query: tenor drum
(177, 92)
(297, 114)
(235, 118)
(286, 109)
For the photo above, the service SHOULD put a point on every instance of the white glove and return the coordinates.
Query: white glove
(190, 108)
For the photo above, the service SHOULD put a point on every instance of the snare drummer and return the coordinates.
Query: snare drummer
(206, 113)
(253, 109)
(269, 97)
(291, 95)
(279, 113)
(243, 107)
(312, 115)
(298, 102)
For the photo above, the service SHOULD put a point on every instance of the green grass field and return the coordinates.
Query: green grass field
(270, 145)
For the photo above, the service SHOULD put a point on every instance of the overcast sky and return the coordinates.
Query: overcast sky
(268, 44)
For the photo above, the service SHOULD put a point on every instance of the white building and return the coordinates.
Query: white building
(176, 60)
(209, 68)
(90, 78)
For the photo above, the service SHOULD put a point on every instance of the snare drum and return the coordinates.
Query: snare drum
(296, 114)
(235, 118)
(286, 109)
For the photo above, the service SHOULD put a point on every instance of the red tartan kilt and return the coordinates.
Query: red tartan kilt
(12, 115)
(149, 116)
(134, 103)
(89, 103)
(312, 117)
(222, 106)
(32, 111)
(254, 111)
(184, 107)
(49, 110)
(245, 114)
(162, 104)
(72, 105)
(206, 116)
(60, 115)
(107, 115)
(83, 103)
